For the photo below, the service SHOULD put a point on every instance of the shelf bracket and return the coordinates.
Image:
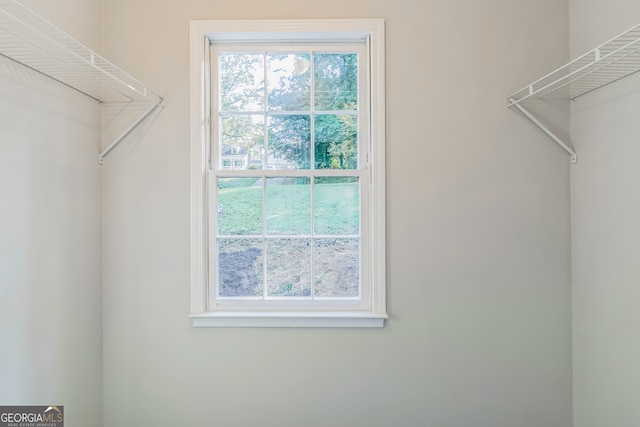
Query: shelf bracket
(29, 40)
(546, 130)
(124, 134)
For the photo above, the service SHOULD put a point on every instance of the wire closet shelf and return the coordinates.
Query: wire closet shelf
(605, 64)
(611, 61)
(30, 40)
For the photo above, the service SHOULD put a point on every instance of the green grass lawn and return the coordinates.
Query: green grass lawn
(288, 206)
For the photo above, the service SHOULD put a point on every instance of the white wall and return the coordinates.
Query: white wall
(50, 216)
(606, 236)
(478, 235)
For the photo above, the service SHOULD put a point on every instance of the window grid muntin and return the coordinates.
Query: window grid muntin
(361, 172)
(312, 236)
(357, 47)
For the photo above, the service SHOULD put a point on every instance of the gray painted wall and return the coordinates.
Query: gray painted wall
(478, 238)
(606, 208)
(50, 234)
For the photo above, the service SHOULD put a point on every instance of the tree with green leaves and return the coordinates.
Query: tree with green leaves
(335, 130)
(335, 135)
(241, 90)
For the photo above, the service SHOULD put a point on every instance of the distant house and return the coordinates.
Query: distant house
(235, 158)
(239, 158)
(276, 162)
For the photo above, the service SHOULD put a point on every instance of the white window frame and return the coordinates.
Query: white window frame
(201, 35)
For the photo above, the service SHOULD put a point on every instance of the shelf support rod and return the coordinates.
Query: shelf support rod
(124, 134)
(553, 136)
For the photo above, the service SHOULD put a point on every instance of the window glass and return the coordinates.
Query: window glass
(288, 175)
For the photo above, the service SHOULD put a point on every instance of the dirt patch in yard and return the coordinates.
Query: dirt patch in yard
(289, 264)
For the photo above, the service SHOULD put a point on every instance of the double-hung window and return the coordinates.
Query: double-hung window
(288, 173)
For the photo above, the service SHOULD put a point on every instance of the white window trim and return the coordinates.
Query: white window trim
(201, 32)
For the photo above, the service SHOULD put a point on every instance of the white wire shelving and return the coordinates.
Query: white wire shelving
(31, 41)
(611, 61)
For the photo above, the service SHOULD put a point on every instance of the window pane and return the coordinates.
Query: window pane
(240, 267)
(288, 205)
(336, 271)
(289, 82)
(289, 267)
(239, 206)
(241, 82)
(336, 204)
(242, 141)
(336, 82)
(290, 140)
(336, 141)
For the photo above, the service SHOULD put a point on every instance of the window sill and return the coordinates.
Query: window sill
(237, 319)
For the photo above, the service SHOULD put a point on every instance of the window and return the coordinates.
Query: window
(287, 143)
